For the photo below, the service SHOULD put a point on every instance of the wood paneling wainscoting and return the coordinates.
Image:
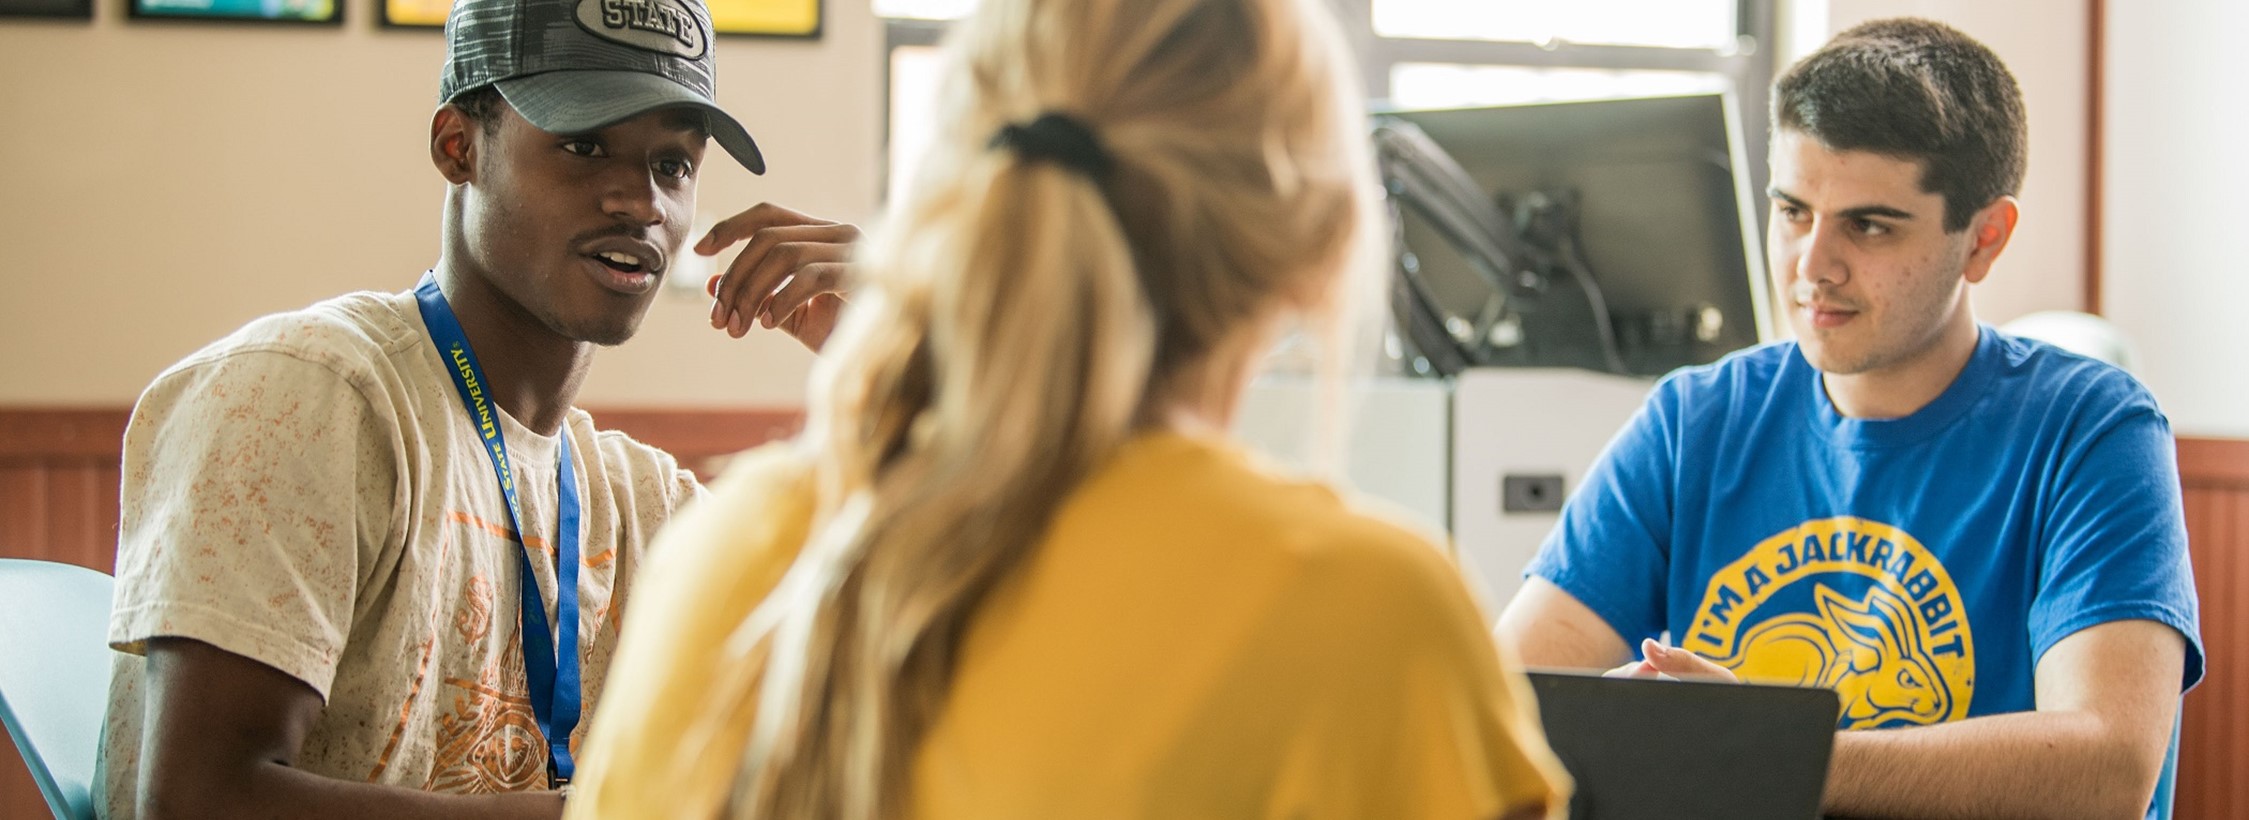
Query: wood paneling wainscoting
(2214, 735)
(58, 485)
(59, 468)
(59, 477)
(58, 501)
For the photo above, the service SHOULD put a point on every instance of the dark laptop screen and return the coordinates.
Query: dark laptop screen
(1678, 751)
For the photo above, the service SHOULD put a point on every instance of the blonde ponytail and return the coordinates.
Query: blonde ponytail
(1019, 320)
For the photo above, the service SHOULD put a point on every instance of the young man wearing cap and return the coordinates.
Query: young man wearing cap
(324, 605)
(1976, 540)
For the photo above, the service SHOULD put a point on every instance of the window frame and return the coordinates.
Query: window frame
(1749, 67)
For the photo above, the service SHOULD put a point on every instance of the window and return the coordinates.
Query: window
(1452, 85)
(1704, 24)
(914, 72)
(924, 9)
(1448, 53)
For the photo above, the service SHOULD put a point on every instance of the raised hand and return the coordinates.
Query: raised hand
(790, 274)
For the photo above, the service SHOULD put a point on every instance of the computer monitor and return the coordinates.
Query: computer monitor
(1626, 234)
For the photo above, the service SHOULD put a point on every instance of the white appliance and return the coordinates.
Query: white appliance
(1522, 441)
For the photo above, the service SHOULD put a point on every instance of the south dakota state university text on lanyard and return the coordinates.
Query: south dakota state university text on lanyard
(554, 686)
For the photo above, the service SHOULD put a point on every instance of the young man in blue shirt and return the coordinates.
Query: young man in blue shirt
(1976, 540)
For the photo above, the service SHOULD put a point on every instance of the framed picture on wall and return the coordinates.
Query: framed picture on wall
(318, 12)
(56, 9)
(764, 18)
(413, 13)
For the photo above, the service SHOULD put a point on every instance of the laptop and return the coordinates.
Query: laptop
(1678, 750)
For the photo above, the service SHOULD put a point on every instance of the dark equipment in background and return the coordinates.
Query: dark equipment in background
(1606, 235)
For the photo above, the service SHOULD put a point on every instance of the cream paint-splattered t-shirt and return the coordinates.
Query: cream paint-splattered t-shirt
(309, 493)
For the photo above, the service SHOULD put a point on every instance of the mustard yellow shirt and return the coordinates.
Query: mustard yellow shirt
(1195, 637)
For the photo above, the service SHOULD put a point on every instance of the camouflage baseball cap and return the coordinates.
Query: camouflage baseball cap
(573, 66)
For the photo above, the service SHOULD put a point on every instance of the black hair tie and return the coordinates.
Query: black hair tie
(1058, 137)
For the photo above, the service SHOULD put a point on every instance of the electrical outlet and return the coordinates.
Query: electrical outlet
(1541, 492)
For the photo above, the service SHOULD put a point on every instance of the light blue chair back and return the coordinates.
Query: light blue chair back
(54, 675)
(2167, 784)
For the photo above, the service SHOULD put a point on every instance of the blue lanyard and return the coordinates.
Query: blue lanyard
(554, 688)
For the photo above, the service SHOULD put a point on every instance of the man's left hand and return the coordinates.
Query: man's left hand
(1672, 663)
(790, 274)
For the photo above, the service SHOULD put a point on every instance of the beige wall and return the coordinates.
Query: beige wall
(162, 183)
(2173, 245)
(2046, 43)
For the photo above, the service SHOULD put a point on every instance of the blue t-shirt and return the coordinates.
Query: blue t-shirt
(1919, 566)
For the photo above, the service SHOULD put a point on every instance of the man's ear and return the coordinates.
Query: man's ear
(453, 144)
(1988, 233)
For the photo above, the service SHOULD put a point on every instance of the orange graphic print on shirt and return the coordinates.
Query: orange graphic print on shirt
(1849, 604)
(475, 619)
(488, 740)
(485, 737)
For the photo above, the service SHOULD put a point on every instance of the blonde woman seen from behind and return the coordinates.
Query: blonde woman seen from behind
(1013, 568)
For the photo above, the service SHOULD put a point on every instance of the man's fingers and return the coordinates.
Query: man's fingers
(1635, 669)
(777, 252)
(809, 281)
(769, 258)
(743, 275)
(813, 323)
(1684, 664)
(1671, 663)
(762, 270)
(787, 259)
(746, 224)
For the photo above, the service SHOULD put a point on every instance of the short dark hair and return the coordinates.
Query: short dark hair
(1918, 90)
(481, 105)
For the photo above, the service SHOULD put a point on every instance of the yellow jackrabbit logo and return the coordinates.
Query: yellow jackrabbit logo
(1869, 651)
